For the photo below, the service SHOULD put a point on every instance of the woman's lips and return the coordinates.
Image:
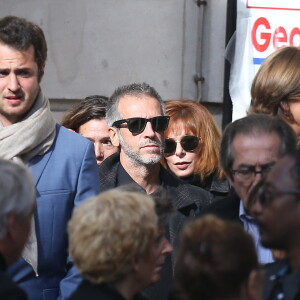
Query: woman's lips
(182, 165)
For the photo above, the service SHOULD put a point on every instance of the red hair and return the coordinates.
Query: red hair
(195, 118)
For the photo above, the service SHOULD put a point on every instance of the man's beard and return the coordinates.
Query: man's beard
(135, 156)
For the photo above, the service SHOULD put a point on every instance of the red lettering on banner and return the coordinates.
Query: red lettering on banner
(280, 36)
(262, 36)
(294, 32)
(265, 36)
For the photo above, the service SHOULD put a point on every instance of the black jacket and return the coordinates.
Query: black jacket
(280, 279)
(226, 208)
(8, 289)
(188, 201)
(103, 291)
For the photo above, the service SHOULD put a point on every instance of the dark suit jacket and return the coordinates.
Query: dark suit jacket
(280, 273)
(91, 291)
(188, 201)
(226, 208)
(8, 289)
(65, 176)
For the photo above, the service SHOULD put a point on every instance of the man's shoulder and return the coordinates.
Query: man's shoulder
(68, 137)
(225, 208)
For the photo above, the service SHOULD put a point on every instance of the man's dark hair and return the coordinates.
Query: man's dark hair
(90, 108)
(255, 125)
(20, 34)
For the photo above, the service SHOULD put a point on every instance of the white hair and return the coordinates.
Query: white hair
(17, 193)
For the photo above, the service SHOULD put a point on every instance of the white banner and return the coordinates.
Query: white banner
(262, 27)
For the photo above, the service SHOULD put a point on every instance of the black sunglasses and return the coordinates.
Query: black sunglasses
(188, 143)
(138, 125)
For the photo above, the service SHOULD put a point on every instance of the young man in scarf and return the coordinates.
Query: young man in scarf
(61, 162)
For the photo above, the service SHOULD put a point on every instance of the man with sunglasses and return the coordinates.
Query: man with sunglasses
(276, 210)
(135, 116)
(250, 147)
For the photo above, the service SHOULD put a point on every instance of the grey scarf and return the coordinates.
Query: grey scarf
(32, 136)
(21, 142)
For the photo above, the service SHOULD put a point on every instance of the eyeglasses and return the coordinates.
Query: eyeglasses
(188, 143)
(266, 195)
(138, 125)
(249, 173)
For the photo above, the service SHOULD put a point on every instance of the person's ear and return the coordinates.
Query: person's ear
(286, 113)
(136, 263)
(254, 285)
(229, 178)
(41, 72)
(284, 106)
(114, 136)
(13, 226)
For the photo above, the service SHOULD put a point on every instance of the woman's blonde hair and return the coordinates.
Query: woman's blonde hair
(108, 231)
(196, 118)
(277, 81)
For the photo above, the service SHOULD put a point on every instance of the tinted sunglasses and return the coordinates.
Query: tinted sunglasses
(138, 125)
(188, 143)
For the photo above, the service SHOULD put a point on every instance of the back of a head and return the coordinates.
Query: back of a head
(277, 80)
(20, 34)
(255, 125)
(215, 259)
(89, 108)
(17, 193)
(108, 231)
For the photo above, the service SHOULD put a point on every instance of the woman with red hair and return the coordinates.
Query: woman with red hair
(192, 143)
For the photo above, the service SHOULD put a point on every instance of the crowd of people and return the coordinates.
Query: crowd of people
(133, 197)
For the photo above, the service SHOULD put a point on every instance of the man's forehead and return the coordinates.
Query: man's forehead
(255, 149)
(137, 105)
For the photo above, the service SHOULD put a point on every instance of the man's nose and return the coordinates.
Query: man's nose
(167, 248)
(99, 150)
(13, 83)
(149, 130)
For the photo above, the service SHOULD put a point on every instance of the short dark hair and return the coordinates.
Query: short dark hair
(90, 108)
(20, 34)
(134, 89)
(214, 260)
(252, 125)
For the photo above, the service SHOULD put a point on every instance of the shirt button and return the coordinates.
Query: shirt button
(280, 296)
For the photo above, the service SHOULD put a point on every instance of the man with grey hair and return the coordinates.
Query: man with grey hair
(17, 202)
(135, 116)
(250, 147)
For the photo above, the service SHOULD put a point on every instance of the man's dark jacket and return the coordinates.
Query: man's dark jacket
(188, 201)
(280, 278)
(227, 208)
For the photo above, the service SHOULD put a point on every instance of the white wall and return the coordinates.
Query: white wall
(97, 45)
